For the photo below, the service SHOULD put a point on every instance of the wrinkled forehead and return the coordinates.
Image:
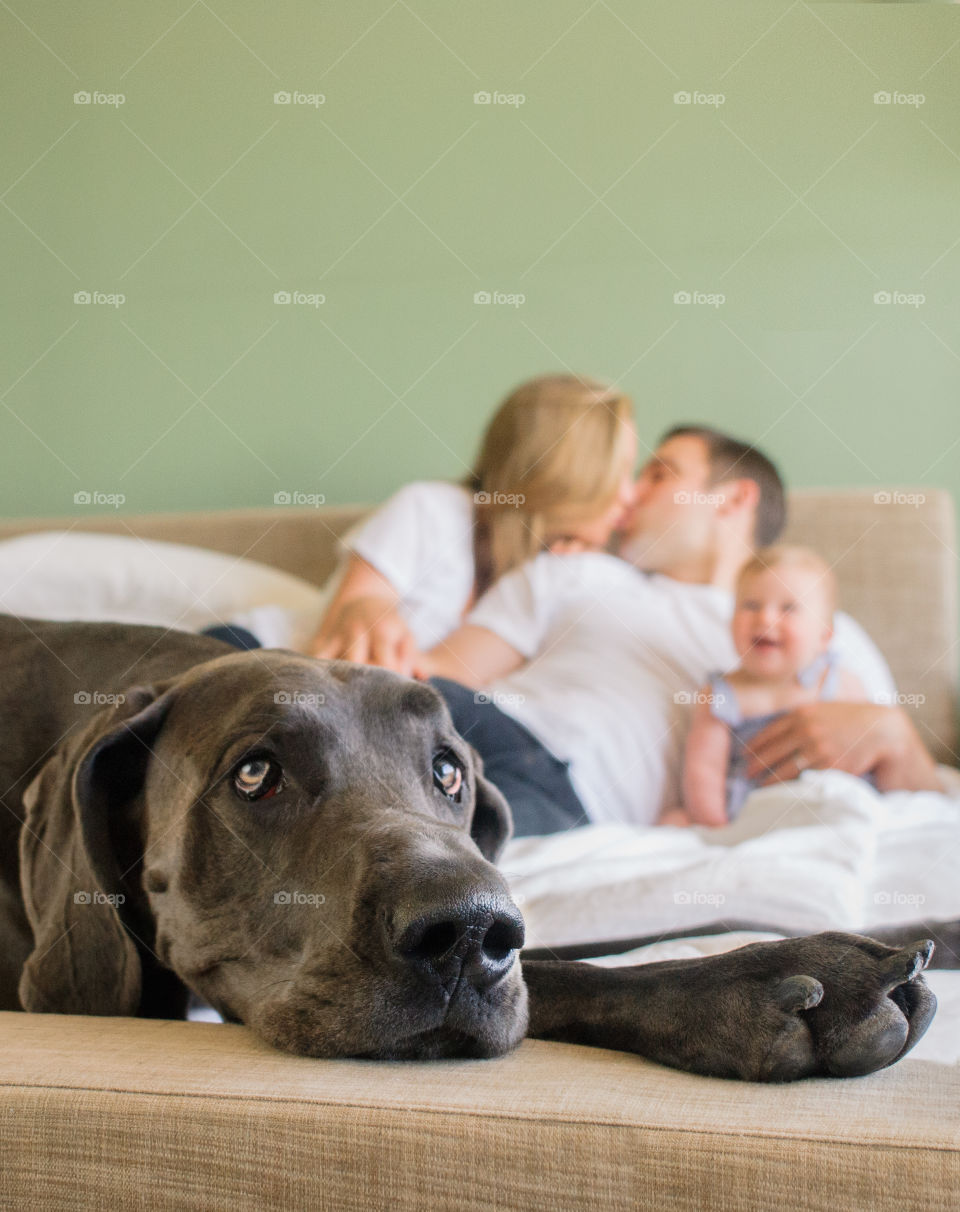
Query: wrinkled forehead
(283, 694)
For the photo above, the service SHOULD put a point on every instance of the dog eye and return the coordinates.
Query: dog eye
(257, 778)
(448, 776)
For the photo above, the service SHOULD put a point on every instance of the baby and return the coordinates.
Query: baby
(782, 627)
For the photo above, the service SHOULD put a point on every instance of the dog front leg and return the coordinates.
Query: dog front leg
(830, 1004)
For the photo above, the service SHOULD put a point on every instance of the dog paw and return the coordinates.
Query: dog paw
(848, 1006)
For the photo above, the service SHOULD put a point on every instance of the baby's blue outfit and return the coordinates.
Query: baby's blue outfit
(725, 706)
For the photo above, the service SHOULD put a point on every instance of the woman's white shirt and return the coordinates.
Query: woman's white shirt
(421, 541)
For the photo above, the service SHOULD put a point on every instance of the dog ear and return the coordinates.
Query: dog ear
(492, 823)
(77, 813)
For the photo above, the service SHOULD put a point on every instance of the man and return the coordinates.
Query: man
(588, 663)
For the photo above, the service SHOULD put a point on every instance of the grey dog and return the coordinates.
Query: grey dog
(309, 846)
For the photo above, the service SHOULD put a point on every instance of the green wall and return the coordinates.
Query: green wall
(398, 198)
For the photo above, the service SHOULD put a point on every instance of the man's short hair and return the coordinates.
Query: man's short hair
(731, 459)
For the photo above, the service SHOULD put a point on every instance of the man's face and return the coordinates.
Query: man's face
(675, 509)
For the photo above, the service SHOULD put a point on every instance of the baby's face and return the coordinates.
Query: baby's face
(781, 621)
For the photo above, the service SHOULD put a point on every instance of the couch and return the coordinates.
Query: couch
(127, 1113)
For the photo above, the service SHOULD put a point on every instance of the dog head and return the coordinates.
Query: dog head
(306, 845)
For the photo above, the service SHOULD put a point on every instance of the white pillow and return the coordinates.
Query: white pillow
(72, 575)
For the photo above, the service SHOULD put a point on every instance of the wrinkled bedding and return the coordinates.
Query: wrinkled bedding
(825, 852)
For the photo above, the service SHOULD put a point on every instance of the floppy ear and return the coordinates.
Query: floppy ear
(492, 823)
(78, 813)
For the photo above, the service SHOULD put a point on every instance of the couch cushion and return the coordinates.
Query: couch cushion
(894, 554)
(98, 1113)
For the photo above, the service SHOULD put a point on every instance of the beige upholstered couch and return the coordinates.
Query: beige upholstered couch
(122, 1113)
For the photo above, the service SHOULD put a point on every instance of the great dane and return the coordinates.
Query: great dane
(309, 846)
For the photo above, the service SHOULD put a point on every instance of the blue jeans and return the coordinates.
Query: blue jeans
(536, 785)
(238, 637)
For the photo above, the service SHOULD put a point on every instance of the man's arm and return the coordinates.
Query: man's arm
(472, 655)
(856, 737)
(504, 629)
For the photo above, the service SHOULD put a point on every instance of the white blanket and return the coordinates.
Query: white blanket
(823, 853)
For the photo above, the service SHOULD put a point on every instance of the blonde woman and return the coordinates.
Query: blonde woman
(555, 472)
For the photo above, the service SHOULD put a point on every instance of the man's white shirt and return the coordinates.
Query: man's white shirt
(615, 657)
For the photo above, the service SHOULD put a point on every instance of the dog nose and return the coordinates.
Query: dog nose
(477, 937)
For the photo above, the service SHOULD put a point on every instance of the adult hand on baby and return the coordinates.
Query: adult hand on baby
(368, 631)
(855, 737)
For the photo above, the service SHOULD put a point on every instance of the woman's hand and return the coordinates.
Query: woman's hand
(369, 631)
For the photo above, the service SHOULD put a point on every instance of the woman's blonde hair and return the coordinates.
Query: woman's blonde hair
(554, 454)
